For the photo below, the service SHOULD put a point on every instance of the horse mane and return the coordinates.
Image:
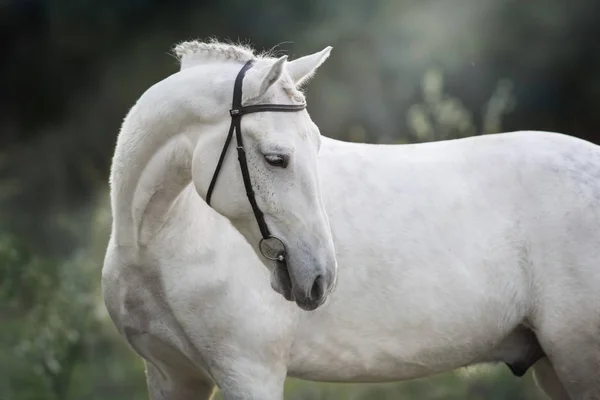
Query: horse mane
(194, 52)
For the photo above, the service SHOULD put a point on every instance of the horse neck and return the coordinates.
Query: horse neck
(148, 134)
(168, 173)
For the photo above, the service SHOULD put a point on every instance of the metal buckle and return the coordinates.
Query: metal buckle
(280, 256)
(235, 111)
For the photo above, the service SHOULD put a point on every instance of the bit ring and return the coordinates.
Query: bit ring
(279, 257)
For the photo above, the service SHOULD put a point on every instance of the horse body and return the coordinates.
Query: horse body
(447, 257)
(450, 254)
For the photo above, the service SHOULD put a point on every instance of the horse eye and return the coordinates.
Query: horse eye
(277, 160)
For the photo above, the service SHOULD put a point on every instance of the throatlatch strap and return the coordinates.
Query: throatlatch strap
(213, 181)
(236, 103)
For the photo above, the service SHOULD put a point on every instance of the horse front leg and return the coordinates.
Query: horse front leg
(573, 348)
(167, 384)
(547, 379)
(252, 381)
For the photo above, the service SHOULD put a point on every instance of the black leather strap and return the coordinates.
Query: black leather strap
(236, 104)
(236, 112)
(213, 181)
(266, 107)
(258, 214)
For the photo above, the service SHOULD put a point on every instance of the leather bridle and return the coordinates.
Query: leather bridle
(236, 112)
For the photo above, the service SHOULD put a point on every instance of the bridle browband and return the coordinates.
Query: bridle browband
(236, 112)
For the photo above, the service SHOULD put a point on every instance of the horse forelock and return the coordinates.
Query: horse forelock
(196, 52)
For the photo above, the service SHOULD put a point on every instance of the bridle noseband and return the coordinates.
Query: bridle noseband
(236, 112)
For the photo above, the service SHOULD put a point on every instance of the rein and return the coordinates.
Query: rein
(236, 112)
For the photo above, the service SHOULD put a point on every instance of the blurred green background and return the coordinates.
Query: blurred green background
(401, 71)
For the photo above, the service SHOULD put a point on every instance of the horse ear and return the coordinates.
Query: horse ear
(263, 77)
(303, 68)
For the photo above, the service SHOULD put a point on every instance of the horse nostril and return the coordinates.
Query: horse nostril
(318, 288)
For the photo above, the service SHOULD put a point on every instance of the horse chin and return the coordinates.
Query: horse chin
(310, 305)
(281, 281)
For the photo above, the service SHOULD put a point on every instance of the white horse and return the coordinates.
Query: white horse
(451, 253)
